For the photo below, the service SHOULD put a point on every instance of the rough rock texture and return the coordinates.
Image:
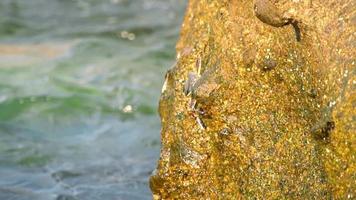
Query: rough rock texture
(261, 102)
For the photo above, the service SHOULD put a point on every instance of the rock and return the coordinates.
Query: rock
(278, 112)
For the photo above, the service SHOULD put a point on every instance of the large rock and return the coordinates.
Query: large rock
(261, 102)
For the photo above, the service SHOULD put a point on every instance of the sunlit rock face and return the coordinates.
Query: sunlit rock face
(260, 103)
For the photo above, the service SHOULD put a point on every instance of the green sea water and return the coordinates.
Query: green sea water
(79, 87)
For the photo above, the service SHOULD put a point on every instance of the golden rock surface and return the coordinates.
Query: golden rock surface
(261, 102)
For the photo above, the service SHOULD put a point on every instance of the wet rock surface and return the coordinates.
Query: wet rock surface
(268, 116)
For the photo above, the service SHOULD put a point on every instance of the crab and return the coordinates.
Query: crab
(197, 113)
(269, 14)
(194, 111)
(192, 78)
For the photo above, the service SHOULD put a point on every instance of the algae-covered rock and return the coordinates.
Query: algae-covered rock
(261, 102)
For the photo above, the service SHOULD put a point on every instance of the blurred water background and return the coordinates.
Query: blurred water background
(79, 87)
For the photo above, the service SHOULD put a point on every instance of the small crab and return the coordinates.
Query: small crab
(193, 77)
(195, 112)
(269, 14)
(189, 83)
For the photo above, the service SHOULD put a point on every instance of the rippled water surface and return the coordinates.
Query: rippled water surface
(79, 88)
